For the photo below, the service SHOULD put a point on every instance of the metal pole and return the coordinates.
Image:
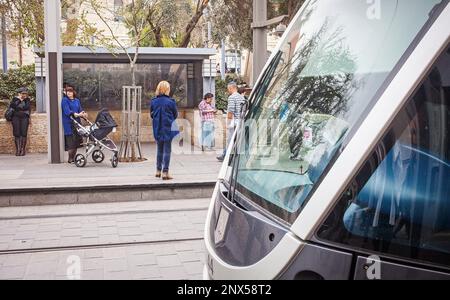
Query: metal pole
(222, 67)
(53, 58)
(259, 38)
(4, 44)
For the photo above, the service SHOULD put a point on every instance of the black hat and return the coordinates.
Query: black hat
(22, 90)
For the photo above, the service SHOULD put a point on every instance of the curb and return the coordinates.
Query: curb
(37, 196)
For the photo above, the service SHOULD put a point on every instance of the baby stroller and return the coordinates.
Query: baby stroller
(96, 135)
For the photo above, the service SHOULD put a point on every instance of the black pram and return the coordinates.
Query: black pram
(96, 135)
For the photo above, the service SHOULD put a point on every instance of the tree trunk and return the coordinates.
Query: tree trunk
(133, 73)
(193, 23)
(157, 34)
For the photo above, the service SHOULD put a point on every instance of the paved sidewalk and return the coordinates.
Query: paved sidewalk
(166, 261)
(33, 171)
(134, 240)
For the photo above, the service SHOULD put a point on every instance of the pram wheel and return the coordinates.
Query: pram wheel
(115, 160)
(98, 156)
(80, 161)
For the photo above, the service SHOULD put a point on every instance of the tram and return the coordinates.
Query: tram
(341, 168)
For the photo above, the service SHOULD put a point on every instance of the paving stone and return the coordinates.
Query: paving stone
(145, 272)
(168, 261)
(122, 275)
(193, 268)
(16, 272)
(142, 260)
(174, 273)
(16, 260)
(188, 256)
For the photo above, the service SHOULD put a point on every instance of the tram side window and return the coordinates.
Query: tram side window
(399, 203)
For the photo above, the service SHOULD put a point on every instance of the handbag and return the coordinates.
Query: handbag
(9, 113)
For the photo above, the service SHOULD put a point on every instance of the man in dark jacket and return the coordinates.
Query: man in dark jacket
(21, 104)
(164, 113)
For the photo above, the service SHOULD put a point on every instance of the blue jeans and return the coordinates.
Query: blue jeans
(163, 156)
(207, 138)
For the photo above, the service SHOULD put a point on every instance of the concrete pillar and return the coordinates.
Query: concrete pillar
(53, 59)
(259, 38)
(223, 58)
(4, 44)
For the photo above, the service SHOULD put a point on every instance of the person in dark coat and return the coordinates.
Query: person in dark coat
(21, 105)
(163, 111)
(71, 107)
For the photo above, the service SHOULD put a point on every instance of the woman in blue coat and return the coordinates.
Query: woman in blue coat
(71, 107)
(163, 111)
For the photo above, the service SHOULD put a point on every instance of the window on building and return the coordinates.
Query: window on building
(118, 5)
(399, 203)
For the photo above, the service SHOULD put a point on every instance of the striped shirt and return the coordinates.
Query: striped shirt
(235, 103)
(206, 111)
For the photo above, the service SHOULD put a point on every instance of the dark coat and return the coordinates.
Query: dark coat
(163, 111)
(69, 108)
(21, 108)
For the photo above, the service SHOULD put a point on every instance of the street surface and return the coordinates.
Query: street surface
(130, 240)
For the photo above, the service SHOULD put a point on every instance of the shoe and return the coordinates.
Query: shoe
(23, 147)
(158, 174)
(220, 158)
(166, 176)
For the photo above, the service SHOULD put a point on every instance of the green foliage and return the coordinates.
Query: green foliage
(222, 92)
(15, 79)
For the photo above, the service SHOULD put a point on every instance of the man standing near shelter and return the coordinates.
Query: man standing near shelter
(235, 102)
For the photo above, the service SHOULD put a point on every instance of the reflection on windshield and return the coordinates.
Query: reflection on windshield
(316, 89)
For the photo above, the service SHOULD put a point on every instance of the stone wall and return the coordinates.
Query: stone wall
(37, 135)
(189, 123)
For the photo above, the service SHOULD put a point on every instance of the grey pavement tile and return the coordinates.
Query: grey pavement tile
(50, 228)
(168, 261)
(19, 245)
(188, 256)
(38, 268)
(15, 260)
(70, 241)
(89, 241)
(137, 260)
(71, 233)
(114, 253)
(45, 236)
(9, 273)
(25, 235)
(122, 275)
(116, 265)
(93, 274)
(145, 272)
(89, 234)
(45, 257)
(92, 264)
(132, 231)
(107, 230)
(107, 224)
(93, 253)
(193, 268)
(174, 273)
(109, 239)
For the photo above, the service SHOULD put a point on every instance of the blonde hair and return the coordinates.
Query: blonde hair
(163, 88)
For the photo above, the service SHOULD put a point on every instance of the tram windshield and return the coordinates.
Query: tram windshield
(331, 66)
